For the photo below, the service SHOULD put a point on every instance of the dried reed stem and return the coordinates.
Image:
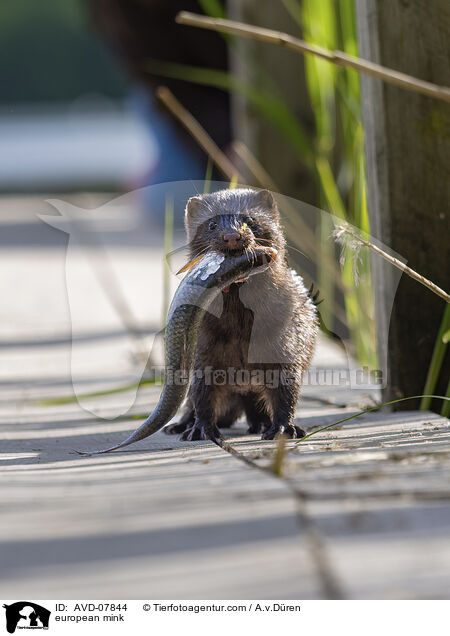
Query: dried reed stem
(198, 133)
(336, 57)
(341, 230)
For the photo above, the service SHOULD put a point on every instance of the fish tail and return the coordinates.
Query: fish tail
(151, 425)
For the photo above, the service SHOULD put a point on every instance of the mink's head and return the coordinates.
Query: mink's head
(232, 221)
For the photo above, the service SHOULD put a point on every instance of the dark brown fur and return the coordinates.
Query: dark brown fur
(267, 325)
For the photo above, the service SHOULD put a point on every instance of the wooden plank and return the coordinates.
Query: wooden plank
(378, 491)
(177, 520)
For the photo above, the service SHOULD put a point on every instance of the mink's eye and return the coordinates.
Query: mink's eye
(212, 225)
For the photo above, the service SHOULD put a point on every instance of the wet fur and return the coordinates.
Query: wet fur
(271, 310)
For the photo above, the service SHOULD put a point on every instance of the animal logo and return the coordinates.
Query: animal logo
(89, 256)
(26, 615)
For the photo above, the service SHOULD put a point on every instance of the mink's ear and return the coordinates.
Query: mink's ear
(264, 199)
(196, 213)
(193, 206)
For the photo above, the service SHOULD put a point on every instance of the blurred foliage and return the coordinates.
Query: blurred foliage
(50, 53)
(265, 102)
(339, 150)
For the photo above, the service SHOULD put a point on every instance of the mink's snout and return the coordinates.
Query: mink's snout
(233, 242)
(232, 239)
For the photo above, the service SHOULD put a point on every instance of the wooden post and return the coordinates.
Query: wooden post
(287, 67)
(407, 139)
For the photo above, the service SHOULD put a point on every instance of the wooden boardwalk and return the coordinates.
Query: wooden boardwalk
(361, 511)
(369, 518)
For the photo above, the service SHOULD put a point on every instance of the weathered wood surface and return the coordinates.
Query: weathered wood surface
(166, 519)
(363, 511)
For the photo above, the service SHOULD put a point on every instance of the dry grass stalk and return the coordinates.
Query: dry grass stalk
(342, 230)
(199, 134)
(340, 58)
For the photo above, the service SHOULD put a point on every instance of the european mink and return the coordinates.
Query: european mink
(255, 344)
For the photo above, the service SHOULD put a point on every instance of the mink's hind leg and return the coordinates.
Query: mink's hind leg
(226, 421)
(186, 422)
(257, 418)
(231, 409)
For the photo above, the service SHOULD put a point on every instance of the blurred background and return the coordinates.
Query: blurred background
(80, 121)
(77, 106)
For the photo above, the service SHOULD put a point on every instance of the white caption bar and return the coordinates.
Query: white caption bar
(219, 617)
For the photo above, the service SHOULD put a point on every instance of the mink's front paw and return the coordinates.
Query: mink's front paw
(192, 433)
(176, 428)
(202, 430)
(290, 431)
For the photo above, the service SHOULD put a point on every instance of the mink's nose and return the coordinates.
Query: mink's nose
(231, 238)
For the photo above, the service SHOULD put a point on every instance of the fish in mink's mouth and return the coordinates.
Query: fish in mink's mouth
(238, 282)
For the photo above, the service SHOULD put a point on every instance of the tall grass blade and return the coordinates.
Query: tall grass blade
(266, 103)
(373, 408)
(437, 358)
